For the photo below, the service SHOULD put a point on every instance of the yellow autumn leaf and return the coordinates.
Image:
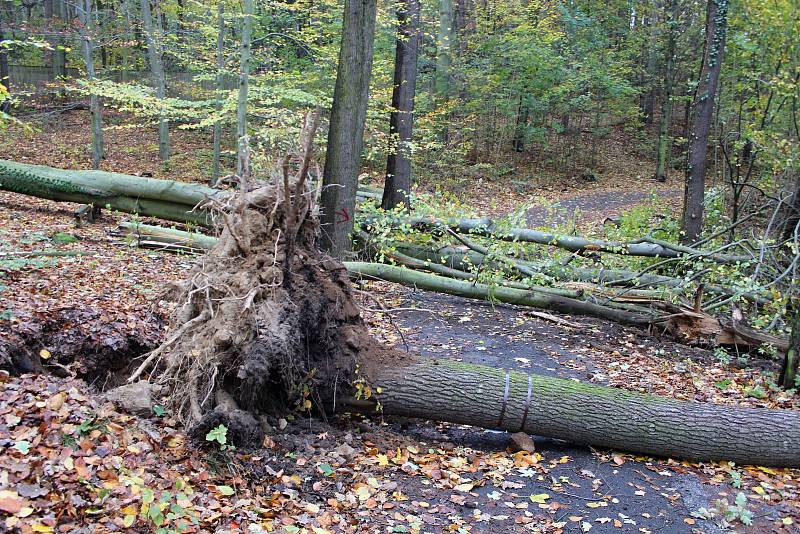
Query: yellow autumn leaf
(759, 490)
(25, 511)
(596, 504)
(539, 498)
(383, 459)
(787, 521)
(464, 487)
(45, 355)
(128, 520)
(130, 510)
(36, 527)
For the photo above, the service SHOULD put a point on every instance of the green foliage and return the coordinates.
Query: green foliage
(218, 434)
(726, 513)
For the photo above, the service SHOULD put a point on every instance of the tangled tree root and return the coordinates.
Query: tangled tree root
(265, 321)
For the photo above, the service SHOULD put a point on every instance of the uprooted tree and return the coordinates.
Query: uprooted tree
(266, 322)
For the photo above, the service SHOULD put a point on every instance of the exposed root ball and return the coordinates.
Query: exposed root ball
(253, 332)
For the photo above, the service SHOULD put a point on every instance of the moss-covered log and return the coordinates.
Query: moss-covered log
(587, 414)
(168, 236)
(460, 258)
(164, 199)
(532, 297)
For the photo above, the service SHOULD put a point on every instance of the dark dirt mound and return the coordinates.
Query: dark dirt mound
(84, 340)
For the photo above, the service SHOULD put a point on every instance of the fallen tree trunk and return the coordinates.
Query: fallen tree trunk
(170, 200)
(531, 297)
(164, 199)
(461, 258)
(168, 236)
(642, 247)
(587, 414)
(174, 201)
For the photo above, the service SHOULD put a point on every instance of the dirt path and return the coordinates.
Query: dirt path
(595, 207)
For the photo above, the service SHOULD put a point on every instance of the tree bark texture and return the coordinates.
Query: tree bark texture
(587, 414)
(647, 248)
(702, 113)
(346, 131)
(5, 104)
(444, 45)
(397, 188)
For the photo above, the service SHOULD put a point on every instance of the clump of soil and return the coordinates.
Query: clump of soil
(82, 340)
(265, 321)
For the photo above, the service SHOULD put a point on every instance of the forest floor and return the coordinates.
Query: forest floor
(69, 461)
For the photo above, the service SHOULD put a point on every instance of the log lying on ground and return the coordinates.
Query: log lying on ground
(531, 297)
(167, 236)
(164, 199)
(587, 414)
(174, 201)
(642, 247)
(462, 258)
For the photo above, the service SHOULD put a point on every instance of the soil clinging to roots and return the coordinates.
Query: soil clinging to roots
(264, 322)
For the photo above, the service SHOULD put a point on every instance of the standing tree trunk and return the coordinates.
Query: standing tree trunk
(521, 127)
(444, 43)
(346, 132)
(791, 362)
(5, 103)
(218, 98)
(244, 81)
(666, 107)
(647, 102)
(397, 188)
(155, 40)
(87, 47)
(702, 112)
(59, 58)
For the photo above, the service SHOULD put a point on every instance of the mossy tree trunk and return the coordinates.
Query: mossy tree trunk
(587, 414)
(346, 132)
(59, 57)
(5, 103)
(166, 199)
